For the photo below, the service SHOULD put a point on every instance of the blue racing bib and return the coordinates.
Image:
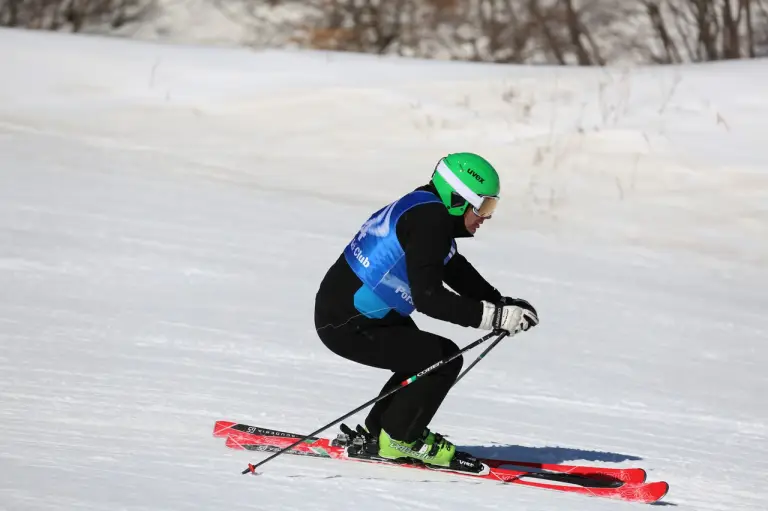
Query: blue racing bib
(376, 257)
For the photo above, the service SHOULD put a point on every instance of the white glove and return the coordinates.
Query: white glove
(511, 318)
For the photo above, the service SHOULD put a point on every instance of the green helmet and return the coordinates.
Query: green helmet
(462, 179)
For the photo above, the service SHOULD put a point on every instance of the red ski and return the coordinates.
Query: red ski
(625, 484)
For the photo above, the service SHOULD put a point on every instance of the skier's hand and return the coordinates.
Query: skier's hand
(506, 300)
(512, 318)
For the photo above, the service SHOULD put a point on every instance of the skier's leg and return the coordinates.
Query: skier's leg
(373, 420)
(409, 411)
(405, 350)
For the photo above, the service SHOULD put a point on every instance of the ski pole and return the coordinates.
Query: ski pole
(252, 468)
(480, 357)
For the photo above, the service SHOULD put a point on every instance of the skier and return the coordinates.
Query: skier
(397, 263)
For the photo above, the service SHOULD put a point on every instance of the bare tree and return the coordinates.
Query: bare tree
(564, 32)
(73, 15)
(707, 29)
(671, 53)
(371, 26)
(582, 32)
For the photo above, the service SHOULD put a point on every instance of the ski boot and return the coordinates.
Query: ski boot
(432, 449)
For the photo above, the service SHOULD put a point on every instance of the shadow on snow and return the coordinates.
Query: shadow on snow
(544, 454)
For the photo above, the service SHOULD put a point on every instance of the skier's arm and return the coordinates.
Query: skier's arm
(463, 278)
(425, 235)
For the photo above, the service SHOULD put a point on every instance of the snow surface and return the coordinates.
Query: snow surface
(167, 213)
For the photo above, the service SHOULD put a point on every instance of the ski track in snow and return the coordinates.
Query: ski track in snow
(163, 231)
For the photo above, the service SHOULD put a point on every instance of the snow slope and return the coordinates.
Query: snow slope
(167, 212)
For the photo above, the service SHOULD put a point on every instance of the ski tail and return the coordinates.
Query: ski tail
(625, 475)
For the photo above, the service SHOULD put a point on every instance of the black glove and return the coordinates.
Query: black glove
(523, 304)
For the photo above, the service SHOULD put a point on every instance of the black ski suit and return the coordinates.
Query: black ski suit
(394, 342)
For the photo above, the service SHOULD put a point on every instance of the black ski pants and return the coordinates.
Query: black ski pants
(405, 350)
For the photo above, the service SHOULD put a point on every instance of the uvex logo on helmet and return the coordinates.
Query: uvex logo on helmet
(476, 175)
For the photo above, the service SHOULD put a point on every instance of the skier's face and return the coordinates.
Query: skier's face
(473, 222)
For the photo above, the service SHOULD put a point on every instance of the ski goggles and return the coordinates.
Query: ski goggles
(487, 206)
(482, 205)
